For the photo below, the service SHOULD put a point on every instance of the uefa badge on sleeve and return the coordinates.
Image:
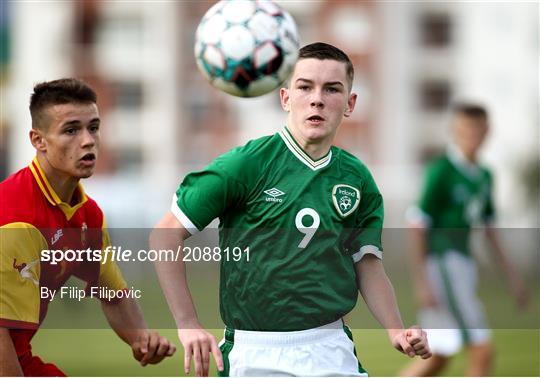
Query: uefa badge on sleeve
(345, 198)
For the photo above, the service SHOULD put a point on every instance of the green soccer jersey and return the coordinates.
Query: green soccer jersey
(304, 221)
(456, 196)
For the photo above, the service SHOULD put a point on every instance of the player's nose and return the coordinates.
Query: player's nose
(316, 100)
(88, 139)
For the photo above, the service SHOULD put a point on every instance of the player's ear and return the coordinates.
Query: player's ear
(37, 139)
(284, 98)
(350, 104)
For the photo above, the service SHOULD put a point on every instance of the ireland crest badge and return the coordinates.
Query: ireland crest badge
(346, 199)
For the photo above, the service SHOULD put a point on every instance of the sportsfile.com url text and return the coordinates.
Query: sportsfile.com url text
(118, 254)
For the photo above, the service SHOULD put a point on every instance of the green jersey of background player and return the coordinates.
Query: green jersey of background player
(457, 196)
(310, 214)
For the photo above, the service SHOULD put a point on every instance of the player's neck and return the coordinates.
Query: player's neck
(63, 185)
(470, 157)
(315, 149)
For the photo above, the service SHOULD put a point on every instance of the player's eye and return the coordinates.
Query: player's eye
(303, 87)
(332, 90)
(93, 129)
(70, 131)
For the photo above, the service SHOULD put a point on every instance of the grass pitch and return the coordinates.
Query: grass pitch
(101, 353)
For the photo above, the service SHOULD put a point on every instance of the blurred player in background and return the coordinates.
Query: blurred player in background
(457, 195)
(44, 207)
(311, 215)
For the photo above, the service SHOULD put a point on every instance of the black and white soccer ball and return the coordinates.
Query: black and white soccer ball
(246, 48)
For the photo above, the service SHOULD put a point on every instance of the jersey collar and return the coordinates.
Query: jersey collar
(458, 159)
(51, 195)
(297, 151)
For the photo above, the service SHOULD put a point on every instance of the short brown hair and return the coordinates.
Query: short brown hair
(322, 51)
(470, 110)
(58, 92)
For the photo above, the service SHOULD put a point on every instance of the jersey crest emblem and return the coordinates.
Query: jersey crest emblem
(27, 270)
(346, 199)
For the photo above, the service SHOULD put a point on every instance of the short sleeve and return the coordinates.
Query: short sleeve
(110, 275)
(20, 248)
(431, 198)
(206, 195)
(369, 221)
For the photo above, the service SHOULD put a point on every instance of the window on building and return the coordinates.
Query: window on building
(129, 94)
(435, 94)
(435, 30)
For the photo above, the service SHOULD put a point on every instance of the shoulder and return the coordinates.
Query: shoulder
(438, 165)
(16, 184)
(439, 162)
(253, 149)
(352, 167)
(16, 197)
(21, 238)
(91, 204)
(256, 146)
(351, 163)
(248, 158)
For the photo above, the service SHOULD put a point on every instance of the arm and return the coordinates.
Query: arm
(515, 282)
(425, 296)
(421, 218)
(20, 246)
(9, 363)
(126, 319)
(169, 233)
(379, 296)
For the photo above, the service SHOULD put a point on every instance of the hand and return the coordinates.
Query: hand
(520, 293)
(412, 342)
(199, 343)
(150, 347)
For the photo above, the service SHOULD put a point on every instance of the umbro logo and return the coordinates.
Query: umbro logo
(274, 193)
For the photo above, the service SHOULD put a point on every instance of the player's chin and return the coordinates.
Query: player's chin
(85, 172)
(316, 133)
(85, 168)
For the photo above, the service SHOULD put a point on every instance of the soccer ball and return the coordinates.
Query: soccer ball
(246, 48)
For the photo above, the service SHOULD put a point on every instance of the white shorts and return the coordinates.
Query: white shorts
(322, 351)
(460, 318)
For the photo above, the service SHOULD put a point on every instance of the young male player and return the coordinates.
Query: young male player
(457, 195)
(44, 207)
(311, 216)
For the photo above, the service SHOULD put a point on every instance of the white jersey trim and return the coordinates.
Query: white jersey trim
(301, 155)
(182, 218)
(458, 159)
(367, 249)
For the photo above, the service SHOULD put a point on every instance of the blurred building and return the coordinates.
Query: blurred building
(161, 119)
